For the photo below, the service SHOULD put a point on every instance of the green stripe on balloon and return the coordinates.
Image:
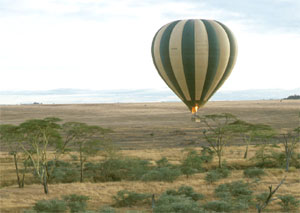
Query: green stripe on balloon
(231, 60)
(188, 57)
(213, 57)
(165, 57)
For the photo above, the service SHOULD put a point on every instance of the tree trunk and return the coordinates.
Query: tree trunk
(246, 152)
(81, 166)
(17, 170)
(288, 157)
(220, 160)
(45, 183)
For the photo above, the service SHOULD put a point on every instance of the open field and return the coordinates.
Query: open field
(144, 125)
(150, 131)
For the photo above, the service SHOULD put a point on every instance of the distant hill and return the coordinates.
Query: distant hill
(72, 96)
(293, 97)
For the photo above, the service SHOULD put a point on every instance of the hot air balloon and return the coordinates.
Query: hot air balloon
(194, 57)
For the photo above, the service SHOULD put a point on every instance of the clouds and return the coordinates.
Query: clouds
(100, 44)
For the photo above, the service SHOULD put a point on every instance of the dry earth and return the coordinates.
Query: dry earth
(144, 125)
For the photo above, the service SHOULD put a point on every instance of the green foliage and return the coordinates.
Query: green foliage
(236, 189)
(207, 154)
(162, 174)
(50, 206)
(163, 162)
(62, 172)
(262, 197)
(76, 203)
(192, 163)
(234, 196)
(107, 209)
(217, 132)
(288, 202)
(253, 172)
(185, 191)
(266, 157)
(176, 203)
(117, 169)
(218, 206)
(125, 198)
(215, 175)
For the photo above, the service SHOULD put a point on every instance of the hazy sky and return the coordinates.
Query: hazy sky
(106, 44)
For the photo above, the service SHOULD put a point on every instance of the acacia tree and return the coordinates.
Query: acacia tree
(249, 131)
(12, 137)
(86, 139)
(290, 142)
(216, 132)
(39, 135)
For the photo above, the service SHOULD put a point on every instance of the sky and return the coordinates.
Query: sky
(106, 44)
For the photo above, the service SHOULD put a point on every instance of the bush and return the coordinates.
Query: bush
(162, 174)
(266, 157)
(76, 203)
(126, 198)
(185, 191)
(218, 206)
(63, 172)
(163, 162)
(215, 175)
(192, 163)
(207, 154)
(261, 198)
(253, 172)
(50, 206)
(236, 189)
(107, 209)
(288, 202)
(176, 203)
(117, 169)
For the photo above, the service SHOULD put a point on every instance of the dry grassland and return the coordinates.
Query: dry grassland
(149, 131)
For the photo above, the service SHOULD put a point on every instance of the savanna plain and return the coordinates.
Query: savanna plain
(163, 137)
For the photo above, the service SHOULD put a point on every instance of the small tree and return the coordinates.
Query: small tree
(86, 139)
(216, 132)
(12, 137)
(248, 131)
(38, 136)
(290, 142)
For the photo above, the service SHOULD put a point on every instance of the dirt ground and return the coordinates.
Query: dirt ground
(143, 125)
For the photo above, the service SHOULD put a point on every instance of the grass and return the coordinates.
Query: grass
(14, 199)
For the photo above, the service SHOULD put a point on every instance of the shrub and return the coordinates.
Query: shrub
(261, 198)
(207, 154)
(215, 175)
(212, 176)
(163, 162)
(50, 206)
(107, 209)
(218, 206)
(62, 172)
(76, 203)
(176, 203)
(234, 189)
(253, 172)
(117, 169)
(126, 198)
(192, 163)
(288, 202)
(162, 174)
(185, 191)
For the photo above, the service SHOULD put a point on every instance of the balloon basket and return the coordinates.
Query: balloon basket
(195, 117)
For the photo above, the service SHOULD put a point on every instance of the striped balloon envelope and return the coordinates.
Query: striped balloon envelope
(194, 57)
